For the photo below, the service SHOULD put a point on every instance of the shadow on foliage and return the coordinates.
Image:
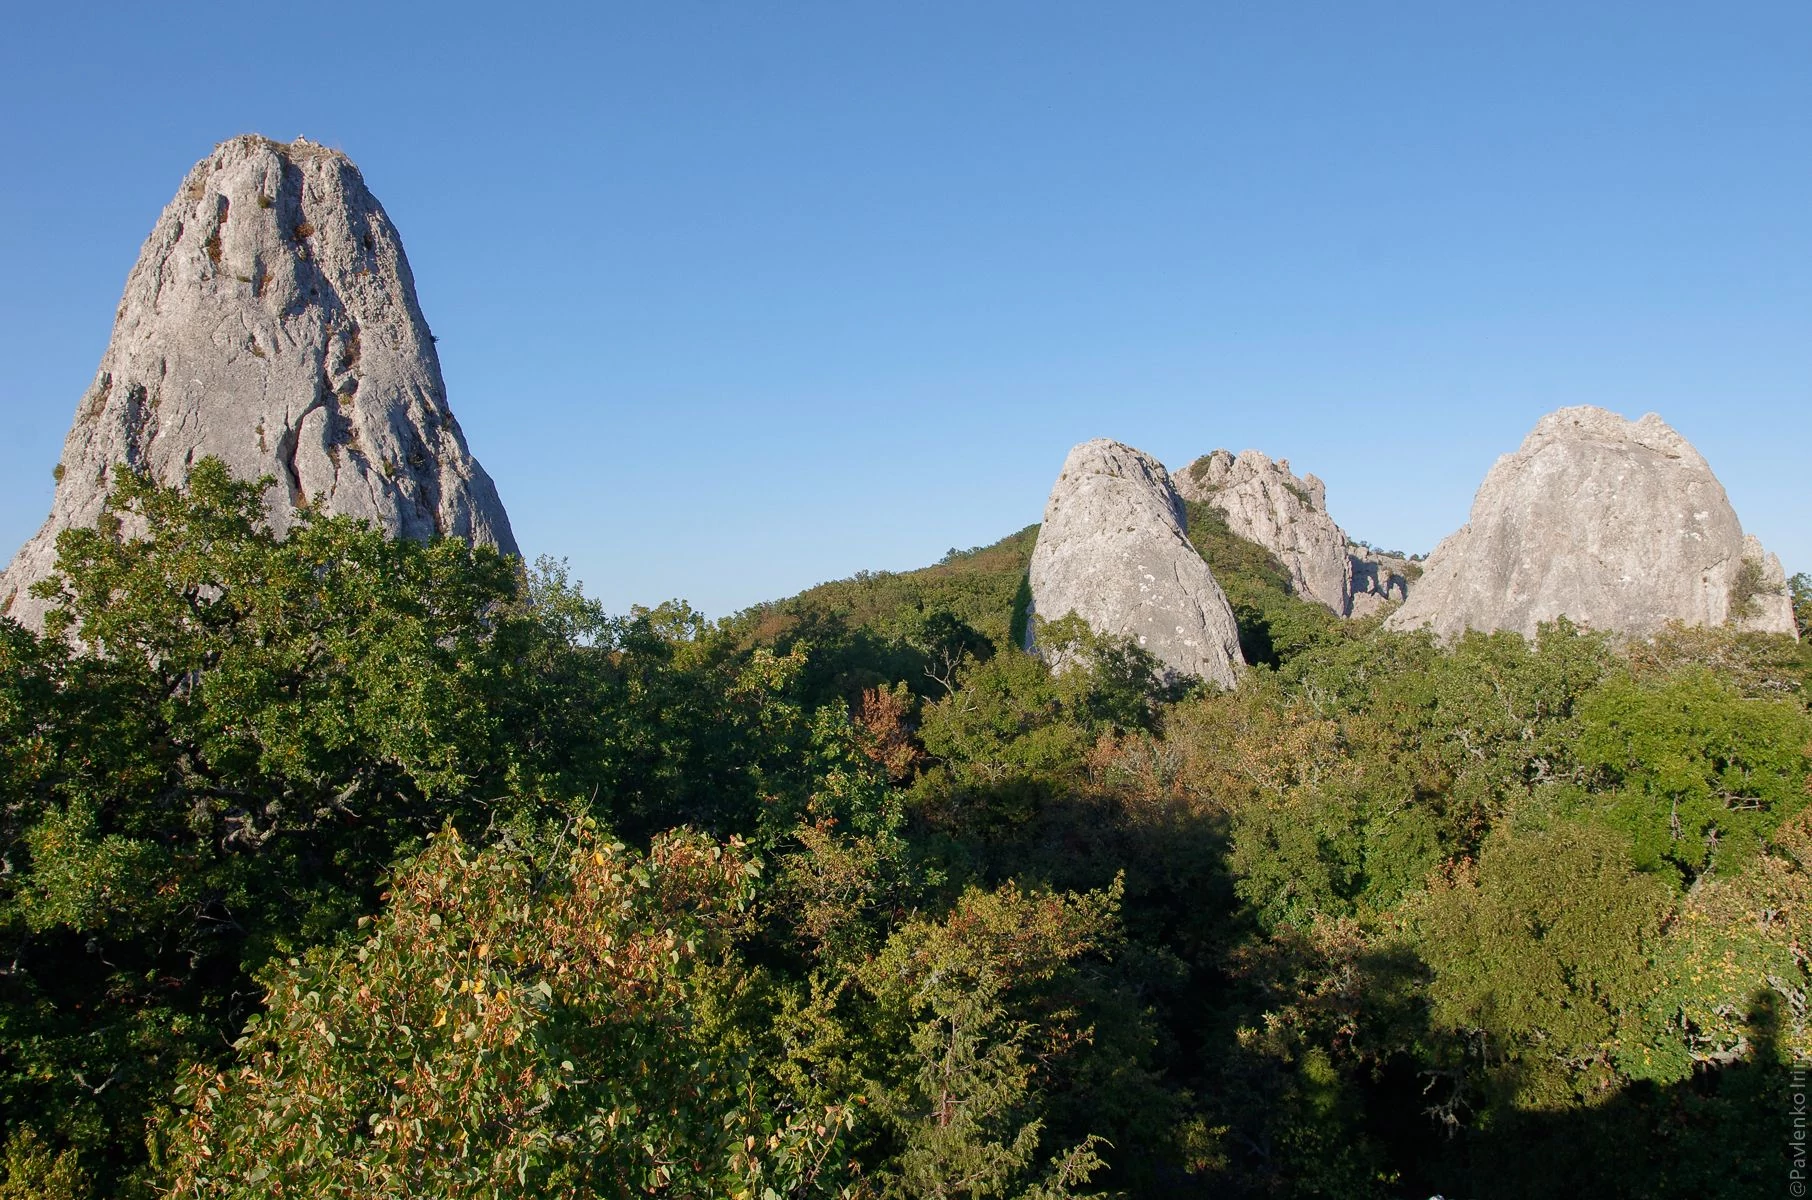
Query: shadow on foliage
(1719, 1134)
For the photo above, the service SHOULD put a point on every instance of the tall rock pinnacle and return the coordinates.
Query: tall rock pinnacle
(1619, 525)
(271, 321)
(1113, 551)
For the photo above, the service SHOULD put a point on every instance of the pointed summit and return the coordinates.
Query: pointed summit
(271, 321)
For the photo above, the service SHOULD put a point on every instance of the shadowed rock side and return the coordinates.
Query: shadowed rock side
(1616, 524)
(271, 321)
(1377, 579)
(1266, 503)
(1113, 551)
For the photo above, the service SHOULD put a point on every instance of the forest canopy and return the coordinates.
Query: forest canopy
(344, 866)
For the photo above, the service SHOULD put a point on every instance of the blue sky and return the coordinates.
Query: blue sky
(736, 297)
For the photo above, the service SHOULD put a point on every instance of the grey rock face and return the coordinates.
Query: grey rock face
(1616, 524)
(1267, 503)
(1377, 579)
(1113, 551)
(271, 321)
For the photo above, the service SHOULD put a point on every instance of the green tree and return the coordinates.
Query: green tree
(1739, 935)
(220, 746)
(695, 729)
(29, 1171)
(241, 733)
(1545, 952)
(512, 1026)
(1012, 715)
(959, 1028)
(1697, 773)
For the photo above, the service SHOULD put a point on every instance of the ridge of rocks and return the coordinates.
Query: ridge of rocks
(1265, 502)
(1618, 525)
(271, 321)
(1114, 551)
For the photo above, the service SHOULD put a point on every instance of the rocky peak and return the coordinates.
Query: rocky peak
(271, 321)
(1264, 501)
(1617, 524)
(1114, 551)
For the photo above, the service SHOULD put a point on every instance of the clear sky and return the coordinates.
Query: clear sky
(734, 297)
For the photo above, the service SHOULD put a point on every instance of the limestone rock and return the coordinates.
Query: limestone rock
(1113, 551)
(271, 321)
(1619, 525)
(1377, 579)
(1265, 502)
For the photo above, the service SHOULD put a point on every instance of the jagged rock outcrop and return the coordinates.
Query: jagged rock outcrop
(1265, 502)
(271, 321)
(1377, 579)
(1619, 525)
(1114, 551)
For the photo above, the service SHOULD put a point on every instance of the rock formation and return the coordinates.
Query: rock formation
(1113, 551)
(1377, 579)
(1619, 525)
(271, 321)
(1265, 502)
